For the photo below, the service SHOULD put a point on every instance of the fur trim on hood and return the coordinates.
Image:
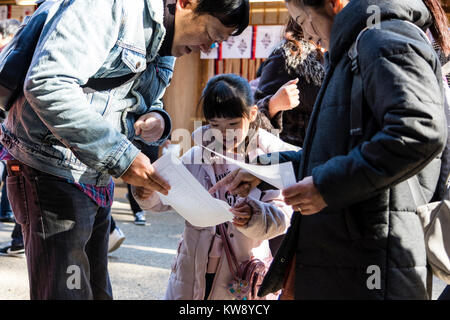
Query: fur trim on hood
(308, 63)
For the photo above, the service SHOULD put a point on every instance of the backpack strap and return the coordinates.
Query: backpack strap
(229, 252)
(357, 95)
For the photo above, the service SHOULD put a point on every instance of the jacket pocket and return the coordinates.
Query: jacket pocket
(17, 198)
(134, 60)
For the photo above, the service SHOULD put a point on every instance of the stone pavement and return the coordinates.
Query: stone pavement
(139, 269)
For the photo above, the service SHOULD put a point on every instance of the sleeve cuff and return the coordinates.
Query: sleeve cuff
(277, 121)
(122, 159)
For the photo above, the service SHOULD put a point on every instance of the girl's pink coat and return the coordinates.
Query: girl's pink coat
(271, 218)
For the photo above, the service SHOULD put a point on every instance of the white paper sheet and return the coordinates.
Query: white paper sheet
(279, 175)
(188, 197)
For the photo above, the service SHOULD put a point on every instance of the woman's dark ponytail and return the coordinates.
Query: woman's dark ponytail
(439, 29)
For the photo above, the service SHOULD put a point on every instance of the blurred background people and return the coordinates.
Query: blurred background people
(8, 29)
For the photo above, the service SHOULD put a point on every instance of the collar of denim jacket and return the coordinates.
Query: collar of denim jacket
(169, 25)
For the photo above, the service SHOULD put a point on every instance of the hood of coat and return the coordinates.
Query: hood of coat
(308, 63)
(356, 15)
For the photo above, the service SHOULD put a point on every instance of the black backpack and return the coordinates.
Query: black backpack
(15, 60)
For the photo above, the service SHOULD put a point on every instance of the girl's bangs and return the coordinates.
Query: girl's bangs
(223, 102)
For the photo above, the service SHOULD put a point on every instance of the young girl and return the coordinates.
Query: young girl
(201, 270)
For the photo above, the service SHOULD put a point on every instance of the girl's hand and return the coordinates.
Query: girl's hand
(242, 213)
(286, 98)
(304, 197)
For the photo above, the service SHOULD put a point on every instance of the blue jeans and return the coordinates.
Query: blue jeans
(65, 234)
(5, 207)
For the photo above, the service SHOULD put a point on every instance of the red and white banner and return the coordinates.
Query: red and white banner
(267, 38)
(255, 42)
(238, 47)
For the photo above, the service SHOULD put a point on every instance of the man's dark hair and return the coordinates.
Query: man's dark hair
(231, 13)
(9, 27)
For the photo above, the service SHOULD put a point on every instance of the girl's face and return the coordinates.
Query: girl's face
(316, 23)
(233, 130)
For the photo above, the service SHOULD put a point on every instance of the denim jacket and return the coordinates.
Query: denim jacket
(59, 128)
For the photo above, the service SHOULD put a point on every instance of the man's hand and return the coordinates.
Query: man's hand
(142, 174)
(243, 212)
(286, 98)
(238, 182)
(304, 197)
(150, 126)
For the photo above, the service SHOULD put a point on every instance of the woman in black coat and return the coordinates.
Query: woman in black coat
(356, 234)
(289, 83)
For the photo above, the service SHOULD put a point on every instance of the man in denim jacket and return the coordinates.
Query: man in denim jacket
(68, 140)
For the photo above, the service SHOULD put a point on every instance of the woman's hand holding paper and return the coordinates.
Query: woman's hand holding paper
(238, 182)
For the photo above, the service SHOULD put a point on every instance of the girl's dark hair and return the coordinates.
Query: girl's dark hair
(231, 13)
(227, 96)
(439, 28)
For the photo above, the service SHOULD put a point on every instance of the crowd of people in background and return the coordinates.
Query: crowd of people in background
(350, 207)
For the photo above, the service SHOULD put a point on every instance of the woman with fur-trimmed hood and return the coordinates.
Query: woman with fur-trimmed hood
(291, 77)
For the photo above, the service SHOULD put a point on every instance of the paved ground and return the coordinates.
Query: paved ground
(139, 269)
